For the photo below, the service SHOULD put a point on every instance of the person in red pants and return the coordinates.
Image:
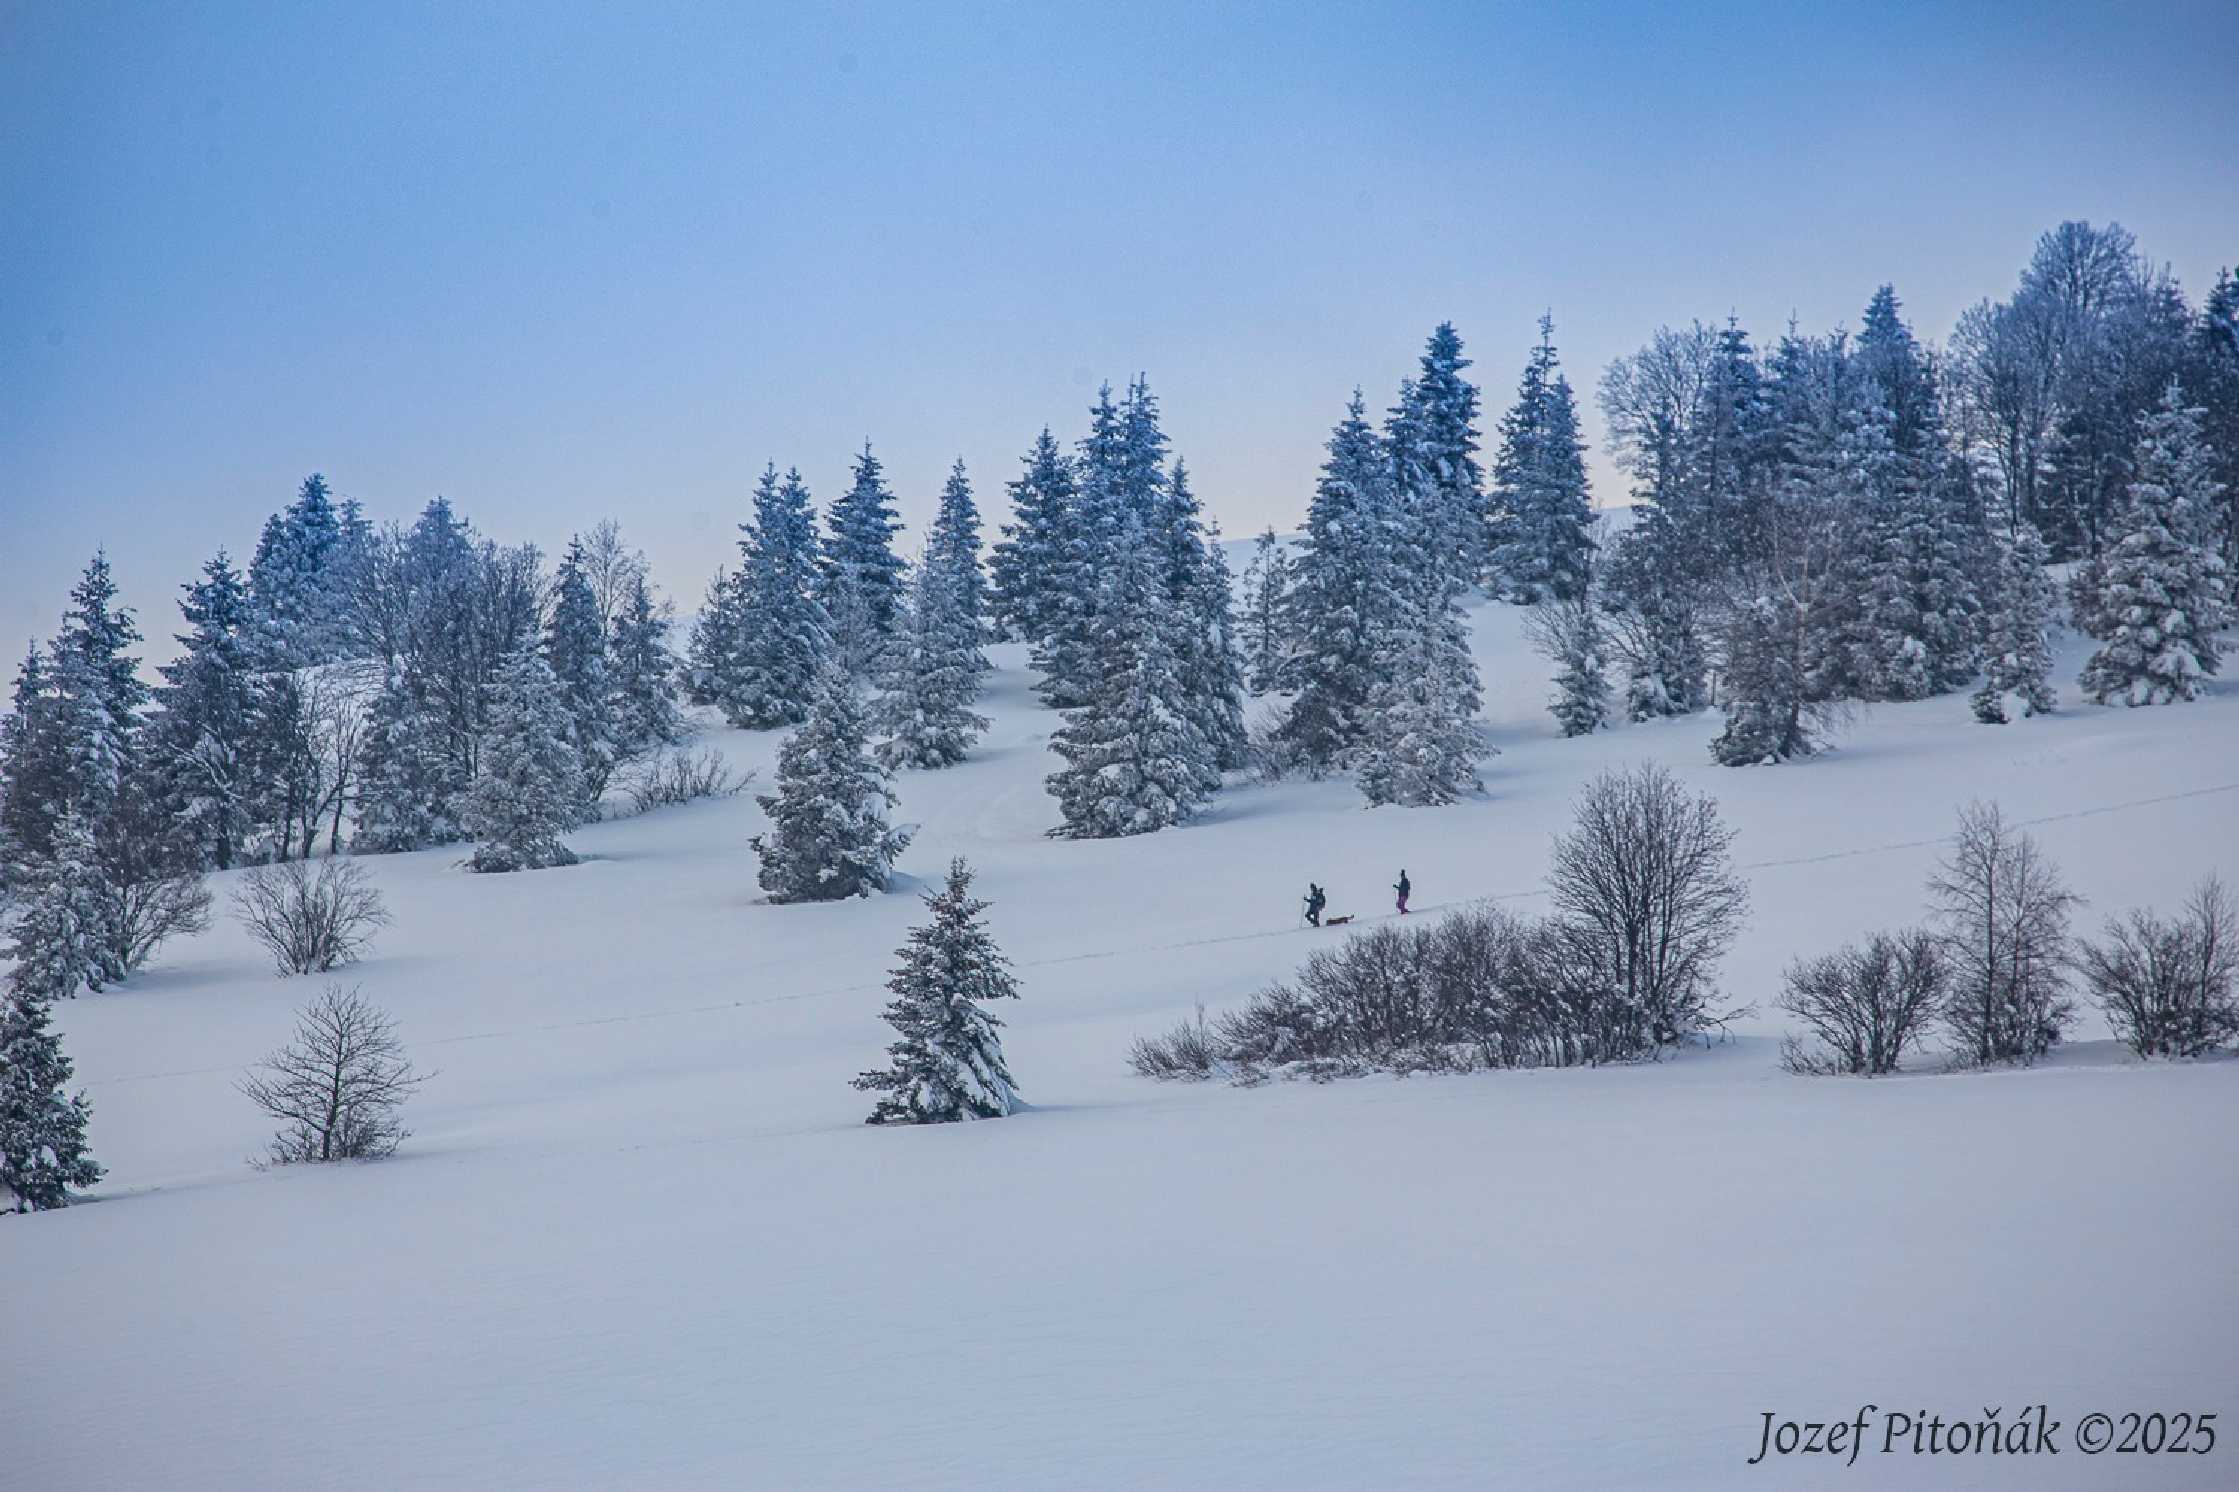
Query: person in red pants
(1403, 887)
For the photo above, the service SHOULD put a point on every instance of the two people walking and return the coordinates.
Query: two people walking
(1317, 900)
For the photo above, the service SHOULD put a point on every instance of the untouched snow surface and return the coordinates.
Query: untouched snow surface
(641, 1239)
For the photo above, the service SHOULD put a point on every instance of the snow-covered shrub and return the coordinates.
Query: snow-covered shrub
(2170, 987)
(675, 775)
(338, 1088)
(1191, 1050)
(1476, 988)
(310, 922)
(1866, 1006)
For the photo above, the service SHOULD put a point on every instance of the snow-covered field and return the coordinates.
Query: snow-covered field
(641, 1239)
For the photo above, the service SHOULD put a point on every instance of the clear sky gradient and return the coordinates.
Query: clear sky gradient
(560, 262)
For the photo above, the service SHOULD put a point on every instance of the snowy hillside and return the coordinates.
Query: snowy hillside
(640, 1236)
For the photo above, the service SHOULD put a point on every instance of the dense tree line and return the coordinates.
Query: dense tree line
(1856, 518)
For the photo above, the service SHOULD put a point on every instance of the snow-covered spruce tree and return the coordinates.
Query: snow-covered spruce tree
(714, 638)
(1027, 559)
(1134, 761)
(410, 789)
(1568, 633)
(201, 734)
(2017, 650)
(43, 1154)
(291, 587)
(1920, 614)
(781, 633)
(1082, 544)
(530, 789)
(65, 924)
(2163, 591)
(1269, 645)
(1348, 594)
(1432, 437)
(1542, 517)
(862, 575)
(575, 650)
(952, 545)
(931, 674)
(1210, 663)
(1423, 742)
(642, 674)
(829, 837)
(947, 1063)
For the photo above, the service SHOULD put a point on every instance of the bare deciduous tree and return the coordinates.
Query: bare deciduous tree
(2003, 911)
(612, 567)
(1865, 1006)
(1646, 877)
(310, 921)
(2170, 988)
(338, 1088)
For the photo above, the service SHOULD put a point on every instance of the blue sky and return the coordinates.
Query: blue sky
(557, 263)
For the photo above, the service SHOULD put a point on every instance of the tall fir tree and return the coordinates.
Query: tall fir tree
(775, 633)
(1082, 549)
(1135, 761)
(2017, 653)
(411, 785)
(203, 732)
(1432, 438)
(1542, 516)
(529, 791)
(1210, 663)
(953, 544)
(946, 1063)
(829, 836)
(932, 672)
(1270, 646)
(43, 1150)
(1347, 594)
(862, 575)
(63, 936)
(2164, 591)
(293, 579)
(1423, 742)
(642, 673)
(575, 646)
(1028, 560)
(714, 638)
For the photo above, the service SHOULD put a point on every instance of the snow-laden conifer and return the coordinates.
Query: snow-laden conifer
(575, 651)
(862, 575)
(2163, 591)
(529, 791)
(1029, 560)
(2017, 650)
(1542, 517)
(1135, 761)
(829, 837)
(43, 1154)
(947, 1061)
(931, 673)
(1270, 646)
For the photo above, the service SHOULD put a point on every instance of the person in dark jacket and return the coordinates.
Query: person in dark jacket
(1315, 901)
(1403, 886)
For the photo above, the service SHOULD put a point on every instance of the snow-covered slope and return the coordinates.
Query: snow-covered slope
(640, 1237)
